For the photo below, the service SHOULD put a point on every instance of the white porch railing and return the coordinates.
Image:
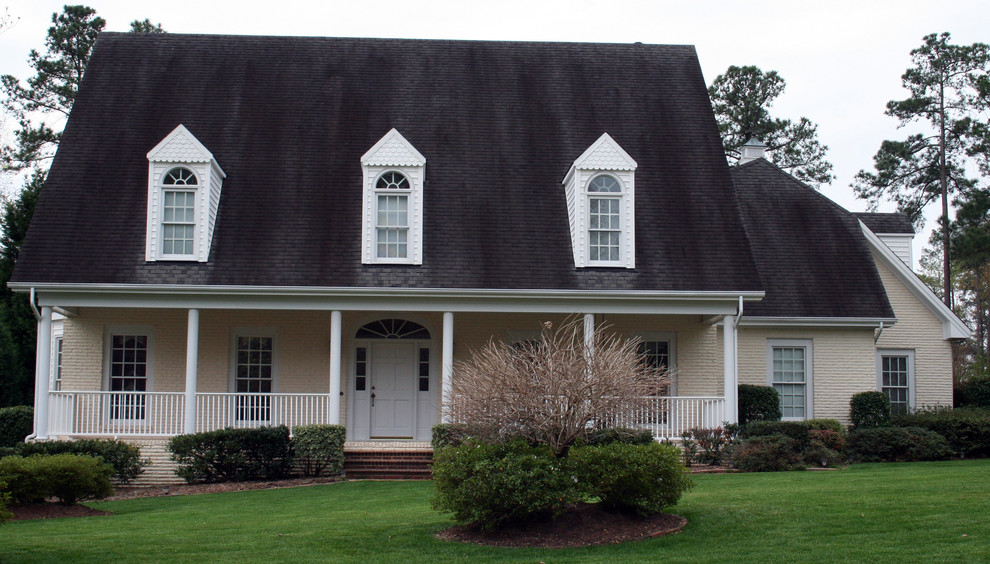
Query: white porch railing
(163, 413)
(670, 416)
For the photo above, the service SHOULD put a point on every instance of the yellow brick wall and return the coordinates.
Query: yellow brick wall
(919, 330)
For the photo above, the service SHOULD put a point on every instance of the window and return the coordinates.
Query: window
(392, 213)
(392, 222)
(895, 377)
(658, 351)
(57, 381)
(789, 363)
(184, 185)
(605, 220)
(128, 375)
(254, 375)
(179, 213)
(424, 369)
(601, 206)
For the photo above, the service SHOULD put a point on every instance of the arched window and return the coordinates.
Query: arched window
(178, 212)
(604, 219)
(392, 216)
(393, 329)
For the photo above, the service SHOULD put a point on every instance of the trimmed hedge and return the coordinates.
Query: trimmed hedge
(768, 453)
(67, 477)
(233, 455)
(492, 485)
(623, 435)
(966, 429)
(758, 403)
(896, 444)
(16, 423)
(319, 449)
(797, 430)
(639, 478)
(124, 458)
(869, 409)
(826, 425)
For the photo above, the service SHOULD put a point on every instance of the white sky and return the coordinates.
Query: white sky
(842, 60)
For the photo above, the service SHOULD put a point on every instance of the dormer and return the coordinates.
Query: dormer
(392, 223)
(184, 184)
(600, 189)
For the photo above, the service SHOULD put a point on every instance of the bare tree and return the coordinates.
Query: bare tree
(551, 390)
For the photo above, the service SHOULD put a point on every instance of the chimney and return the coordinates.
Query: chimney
(752, 150)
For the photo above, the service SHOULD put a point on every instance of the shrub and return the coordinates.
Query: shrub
(828, 438)
(869, 409)
(826, 425)
(708, 445)
(620, 435)
(67, 477)
(820, 454)
(767, 453)
(966, 429)
(641, 478)
(320, 448)
(758, 403)
(449, 434)
(124, 458)
(4, 501)
(233, 454)
(495, 484)
(973, 388)
(797, 430)
(896, 444)
(15, 423)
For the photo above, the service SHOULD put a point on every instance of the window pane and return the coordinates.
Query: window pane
(789, 379)
(604, 184)
(894, 382)
(128, 373)
(254, 374)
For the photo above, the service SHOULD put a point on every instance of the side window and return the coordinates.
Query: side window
(895, 378)
(789, 363)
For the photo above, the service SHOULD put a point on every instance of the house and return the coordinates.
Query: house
(239, 231)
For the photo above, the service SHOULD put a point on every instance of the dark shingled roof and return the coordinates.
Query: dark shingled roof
(811, 253)
(896, 222)
(288, 119)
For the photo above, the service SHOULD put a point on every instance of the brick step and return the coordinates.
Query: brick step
(388, 465)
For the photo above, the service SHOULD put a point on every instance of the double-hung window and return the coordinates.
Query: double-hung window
(128, 374)
(179, 212)
(789, 371)
(392, 216)
(604, 219)
(895, 378)
(254, 375)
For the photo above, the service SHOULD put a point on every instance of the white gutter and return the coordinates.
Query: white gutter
(37, 314)
(739, 315)
(879, 332)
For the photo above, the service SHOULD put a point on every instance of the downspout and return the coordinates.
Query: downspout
(37, 317)
(879, 332)
(739, 314)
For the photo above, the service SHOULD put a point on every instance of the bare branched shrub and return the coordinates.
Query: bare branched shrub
(551, 390)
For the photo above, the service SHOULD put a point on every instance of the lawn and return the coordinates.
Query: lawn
(872, 512)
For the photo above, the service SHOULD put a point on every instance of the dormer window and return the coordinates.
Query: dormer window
(601, 206)
(392, 226)
(184, 184)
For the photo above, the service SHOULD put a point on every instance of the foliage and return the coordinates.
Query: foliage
(797, 430)
(828, 438)
(495, 484)
(707, 446)
(758, 403)
(145, 26)
(869, 409)
(967, 430)
(969, 247)
(449, 434)
(4, 502)
(896, 444)
(741, 98)
(124, 458)
(67, 477)
(319, 448)
(549, 391)
(944, 84)
(233, 455)
(620, 435)
(973, 387)
(821, 424)
(15, 423)
(640, 478)
(767, 453)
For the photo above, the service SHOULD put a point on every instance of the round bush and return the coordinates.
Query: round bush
(896, 444)
(16, 423)
(67, 477)
(491, 485)
(869, 409)
(768, 453)
(644, 479)
(758, 403)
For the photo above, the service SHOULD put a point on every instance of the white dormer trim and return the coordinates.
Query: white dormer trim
(181, 149)
(393, 153)
(952, 326)
(604, 157)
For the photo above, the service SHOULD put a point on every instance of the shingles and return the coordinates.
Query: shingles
(812, 256)
(887, 222)
(289, 118)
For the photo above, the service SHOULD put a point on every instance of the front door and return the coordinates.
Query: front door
(392, 381)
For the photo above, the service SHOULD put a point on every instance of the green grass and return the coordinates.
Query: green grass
(873, 512)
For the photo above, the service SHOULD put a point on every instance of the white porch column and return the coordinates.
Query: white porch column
(43, 373)
(192, 369)
(447, 363)
(589, 333)
(731, 368)
(334, 414)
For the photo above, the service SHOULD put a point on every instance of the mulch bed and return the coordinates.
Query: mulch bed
(585, 525)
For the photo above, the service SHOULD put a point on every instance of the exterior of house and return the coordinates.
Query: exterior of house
(241, 231)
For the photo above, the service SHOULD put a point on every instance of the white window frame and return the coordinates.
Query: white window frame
(247, 332)
(128, 330)
(403, 194)
(393, 153)
(619, 198)
(909, 354)
(57, 355)
(669, 337)
(809, 363)
(165, 190)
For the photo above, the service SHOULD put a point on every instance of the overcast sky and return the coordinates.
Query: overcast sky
(842, 60)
